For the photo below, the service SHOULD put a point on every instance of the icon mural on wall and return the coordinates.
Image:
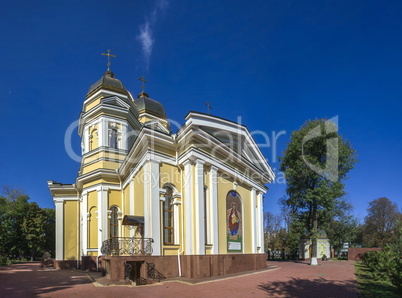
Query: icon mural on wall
(234, 225)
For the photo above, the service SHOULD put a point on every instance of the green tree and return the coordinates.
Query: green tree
(25, 228)
(315, 163)
(381, 223)
(342, 226)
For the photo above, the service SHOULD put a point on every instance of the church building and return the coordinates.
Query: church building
(149, 202)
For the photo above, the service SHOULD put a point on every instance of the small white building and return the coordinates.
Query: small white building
(306, 247)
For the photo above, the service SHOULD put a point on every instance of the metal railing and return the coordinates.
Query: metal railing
(119, 246)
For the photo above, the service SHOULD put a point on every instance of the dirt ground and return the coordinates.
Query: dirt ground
(283, 279)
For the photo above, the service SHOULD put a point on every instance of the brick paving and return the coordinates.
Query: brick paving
(288, 279)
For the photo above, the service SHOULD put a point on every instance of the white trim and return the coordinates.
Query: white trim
(131, 203)
(195, 154)
(145, 157)
(102, 216)
(59, 230)
(260, 223)
(213, 195)
(197, 119)
(188, 208)
(155, 207)
(253, 221)
(84, 232)
(199, 208)
(65, 198)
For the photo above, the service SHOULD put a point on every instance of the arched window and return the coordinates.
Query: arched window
(234, 222)
(113, 139)
(114, 226)
(168, 217)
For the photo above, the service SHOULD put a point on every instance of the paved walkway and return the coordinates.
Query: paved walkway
(289, 279)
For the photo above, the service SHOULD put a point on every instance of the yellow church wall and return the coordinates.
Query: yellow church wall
(70, 218)
(93, 221)
(92, 104)
(163, 149)
(126, 209)
(100, 165)
(169, 174)
(108, 180)
(139, 193)
(115, 198)
(224, 186)
(92, 156)
(170, 250)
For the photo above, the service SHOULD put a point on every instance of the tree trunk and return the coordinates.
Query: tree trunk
(313, 260)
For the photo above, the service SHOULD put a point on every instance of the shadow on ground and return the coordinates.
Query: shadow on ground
(29, 280)
(296, 287)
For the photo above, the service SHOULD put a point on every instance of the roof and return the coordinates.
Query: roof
(132, 220)
(147, 105)
(108, 80)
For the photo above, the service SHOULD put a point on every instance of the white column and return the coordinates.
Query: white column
(131, 203)
(84, 216)
(59, 229)
(101, 132)
(155, 213)
(199, 208)
(86, 139)
(176, 222)
(188, 209)
(260, 212)
(253, 221)
(124, 137)
(102, 217)
(213, 211)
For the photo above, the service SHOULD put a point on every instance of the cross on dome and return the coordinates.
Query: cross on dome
(108, 58)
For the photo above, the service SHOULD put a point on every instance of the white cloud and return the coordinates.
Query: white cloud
(145, 36)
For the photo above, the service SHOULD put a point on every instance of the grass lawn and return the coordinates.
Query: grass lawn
(370, 287)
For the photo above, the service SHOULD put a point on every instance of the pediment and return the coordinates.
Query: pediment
(115, 101)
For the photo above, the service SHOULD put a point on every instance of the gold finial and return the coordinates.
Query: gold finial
(142, 79)
(208, 106)
(108, 58)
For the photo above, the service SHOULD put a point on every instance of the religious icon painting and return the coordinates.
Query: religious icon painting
(234, 224)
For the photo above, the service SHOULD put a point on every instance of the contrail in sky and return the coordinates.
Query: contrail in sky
(145, 36)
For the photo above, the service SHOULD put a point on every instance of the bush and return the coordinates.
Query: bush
(385, 265)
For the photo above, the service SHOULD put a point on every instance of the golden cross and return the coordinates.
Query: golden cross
(208, 106)
(108, 58)
(142, 79)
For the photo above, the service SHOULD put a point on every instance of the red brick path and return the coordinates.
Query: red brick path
(291, 279)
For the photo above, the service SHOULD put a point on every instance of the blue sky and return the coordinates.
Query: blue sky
(275, 64)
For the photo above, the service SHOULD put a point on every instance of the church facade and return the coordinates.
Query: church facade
(189, 203)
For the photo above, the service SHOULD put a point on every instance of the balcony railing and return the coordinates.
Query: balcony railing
(119, 246)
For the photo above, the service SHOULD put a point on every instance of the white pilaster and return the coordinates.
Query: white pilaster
(101, 132)
(260, 212)
(102, 217)
(176, 219)
(254, 233)
(131, 203)
(84, 217)
(124, 136)
(86, 139)
(188, 209)
(213, 208)
(59, 229)
(199, 208)
(155, 213)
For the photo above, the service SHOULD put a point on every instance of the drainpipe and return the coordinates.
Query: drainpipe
(178, 261)
(97, 263)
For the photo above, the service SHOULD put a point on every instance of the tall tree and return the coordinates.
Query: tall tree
(382, 223)
(315, 163)
(25, 228)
